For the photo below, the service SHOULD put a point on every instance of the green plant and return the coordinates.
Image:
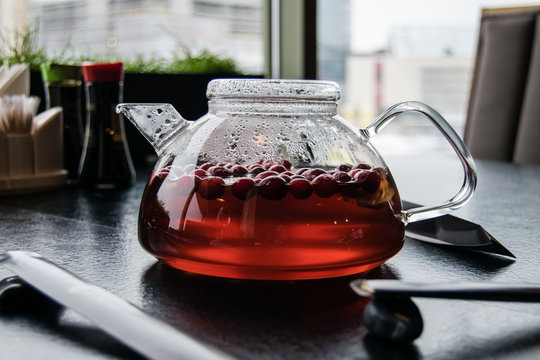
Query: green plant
(22, 47)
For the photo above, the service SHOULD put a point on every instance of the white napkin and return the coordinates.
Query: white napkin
(14, 80)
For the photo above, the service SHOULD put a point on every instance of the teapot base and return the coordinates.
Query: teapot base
(275, 273)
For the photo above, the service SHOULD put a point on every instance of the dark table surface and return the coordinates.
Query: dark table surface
(94, 235)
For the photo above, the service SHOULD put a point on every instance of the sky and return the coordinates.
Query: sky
(372, 21)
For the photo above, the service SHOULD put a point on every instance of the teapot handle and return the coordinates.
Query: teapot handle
(469, 182)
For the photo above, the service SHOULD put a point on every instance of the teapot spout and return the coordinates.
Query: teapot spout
(157, 122)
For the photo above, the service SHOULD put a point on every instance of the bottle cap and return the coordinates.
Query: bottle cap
(59, 72)
(103, 72)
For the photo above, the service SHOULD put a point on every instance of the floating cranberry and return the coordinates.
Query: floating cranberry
(372, 181)
(219, 171)
(344, 167)
(302, 171)
(361, 166)
(265, 174)
(273, 188)
(244, 188)
(267, 164)
(162, 173)
(238, 170)
(341, 177)
(277, 168)
(287, 178)
(255, 169)
(300, 188)
(313, 173)
(286, 163)
(211, 187)
(200, 173)
(359, 175)
(324, 185)
(207, 166)
(188, 183)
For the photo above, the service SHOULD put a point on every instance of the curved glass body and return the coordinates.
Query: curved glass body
(271, 184)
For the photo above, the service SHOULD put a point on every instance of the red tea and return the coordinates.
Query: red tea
(249, 223)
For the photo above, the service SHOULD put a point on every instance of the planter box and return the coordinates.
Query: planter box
(186, 92)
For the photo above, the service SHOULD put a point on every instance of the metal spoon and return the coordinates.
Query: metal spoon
(120, 319)
(392, 315)
(449, 290)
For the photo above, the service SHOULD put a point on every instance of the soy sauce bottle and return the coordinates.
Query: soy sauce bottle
(63, 87)
(105, 162)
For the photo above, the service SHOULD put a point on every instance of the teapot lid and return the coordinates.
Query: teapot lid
(274, 88)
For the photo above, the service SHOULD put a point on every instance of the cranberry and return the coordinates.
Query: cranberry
(244, 188)
(239, 170)
(272, 188)
(255, 169)
(267, 164)
(287, 178)
(265, 174)
(211, 187)
(354, 172)
(372, 181)
(219, 171)
(286, 163)
(359, 175)
(288, 173)
(344, 167)
(313, 173)
(341, 177)
(207, 166)
(163, 173)
(188, 183)
(302, 170)
(200, 173)
(300, 188)
(277, 168)
(324, 185)
(361, 166)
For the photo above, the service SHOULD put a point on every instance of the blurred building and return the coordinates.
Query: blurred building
(333, 39)
(428, 64)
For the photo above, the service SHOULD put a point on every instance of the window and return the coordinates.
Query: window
(230, 28)
(387, 51)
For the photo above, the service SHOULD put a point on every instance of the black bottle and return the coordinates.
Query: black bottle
(105, 162)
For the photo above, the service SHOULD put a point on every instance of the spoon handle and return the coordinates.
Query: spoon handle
(450, 290)
(130, 325)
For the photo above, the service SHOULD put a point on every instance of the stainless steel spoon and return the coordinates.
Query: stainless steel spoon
(391, 314)
(120, 319)
(449, 290)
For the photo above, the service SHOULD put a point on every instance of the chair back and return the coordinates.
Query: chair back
(503, 118)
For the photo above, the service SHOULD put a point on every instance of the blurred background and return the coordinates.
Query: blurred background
(380, 52)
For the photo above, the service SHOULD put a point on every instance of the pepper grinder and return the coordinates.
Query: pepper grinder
(105, 162)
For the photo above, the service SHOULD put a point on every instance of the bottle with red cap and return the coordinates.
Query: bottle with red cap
(105, 162)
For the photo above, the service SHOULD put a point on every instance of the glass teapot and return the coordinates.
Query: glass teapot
(273, 184)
